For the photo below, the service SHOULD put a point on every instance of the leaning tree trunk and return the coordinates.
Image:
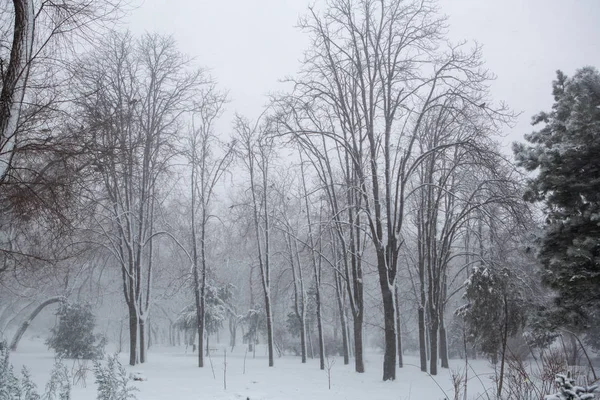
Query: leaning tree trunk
(21, 331)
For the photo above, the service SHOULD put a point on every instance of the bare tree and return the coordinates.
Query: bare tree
(206, 169)
(290, 235)
(315, 259)
(134, 92)
(257, 152)
(374, 69)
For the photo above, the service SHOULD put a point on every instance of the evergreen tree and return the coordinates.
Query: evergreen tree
(565, 155)
(495, 311)
(74, 336)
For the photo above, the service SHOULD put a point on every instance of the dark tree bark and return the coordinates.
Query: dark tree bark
(142, 328)
(14, 81)
(389, 323)
(342, 314)
(133, 334)
(398, 330)
(433, 346)
(359, 364)
(443, 345)
(422, 340)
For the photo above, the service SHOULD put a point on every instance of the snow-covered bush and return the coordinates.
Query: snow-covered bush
(13, 388)
(112, 380)
(567, 390)
(10, 387)
(59, 385)
(74, 336)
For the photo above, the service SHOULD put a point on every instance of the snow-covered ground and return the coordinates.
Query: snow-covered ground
(171, 374)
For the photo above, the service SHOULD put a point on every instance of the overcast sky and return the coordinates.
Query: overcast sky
(249, 44)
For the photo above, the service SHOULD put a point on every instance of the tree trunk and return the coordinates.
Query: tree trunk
(14, 80)
(342, 312)
(320, 329)
(398, 330)
(21, 331)
(133, 332)
(443, 346)
(433, 346)
(349, 332)
(504, 343)
(310, 343)
(389, 318)
(232, 332)
(207, 346)
(201, 340)
(269, 328)
(573, 357)
(422, 340)
(120, 336)
(303, 340)
(142, 341)
(359, 364)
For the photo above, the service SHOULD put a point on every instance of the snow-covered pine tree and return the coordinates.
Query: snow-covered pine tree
(564, 153)
(567, 390)
(495, 311)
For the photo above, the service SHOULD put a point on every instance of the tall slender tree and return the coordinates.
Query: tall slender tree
(207, 167)
(256, 153)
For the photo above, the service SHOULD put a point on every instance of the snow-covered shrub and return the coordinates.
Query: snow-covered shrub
(13, 388)
(10, 387)
(59, 385)
(74, 336)
(567, 390)
(112, 380)
(28, 388)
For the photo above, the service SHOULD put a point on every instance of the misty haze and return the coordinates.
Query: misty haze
(294, 199)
